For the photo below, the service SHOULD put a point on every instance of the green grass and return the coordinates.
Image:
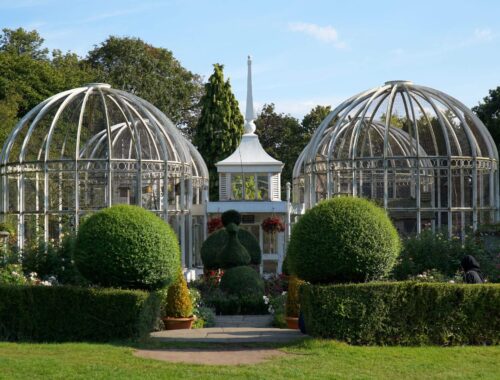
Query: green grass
(311, 359)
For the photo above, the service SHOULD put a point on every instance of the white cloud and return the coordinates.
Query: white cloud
(483, 34)
(327, 34)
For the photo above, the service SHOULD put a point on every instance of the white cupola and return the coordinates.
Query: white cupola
(249, 174)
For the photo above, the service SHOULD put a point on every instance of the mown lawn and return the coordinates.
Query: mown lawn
(310, 359)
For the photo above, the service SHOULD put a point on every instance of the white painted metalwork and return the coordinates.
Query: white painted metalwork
(92, 147)
(421, 154)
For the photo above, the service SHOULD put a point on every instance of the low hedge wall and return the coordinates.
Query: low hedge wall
(404, 313)
(63, 313)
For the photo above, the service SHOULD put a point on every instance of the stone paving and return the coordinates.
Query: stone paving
(212, 356)
(229, 335)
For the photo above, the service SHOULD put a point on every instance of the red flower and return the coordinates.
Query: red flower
(273, 224)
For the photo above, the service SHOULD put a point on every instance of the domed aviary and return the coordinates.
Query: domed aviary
(92, 147)
(421, 154)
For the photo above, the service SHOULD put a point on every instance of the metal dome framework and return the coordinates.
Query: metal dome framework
(419, 153)
(92, 147)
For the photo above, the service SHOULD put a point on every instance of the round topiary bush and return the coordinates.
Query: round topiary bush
(242, 281)
(343, 240)
(127, 247)
(231, 216)
(217, 240)
(234, 253)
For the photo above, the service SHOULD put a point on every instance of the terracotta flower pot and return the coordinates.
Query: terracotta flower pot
(178, 323)
(292, 323)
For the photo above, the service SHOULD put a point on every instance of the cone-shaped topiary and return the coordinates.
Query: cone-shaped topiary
(178, 299)
(217, 240)
(343, 239)
(241, 281)
(234, 253)
(231, 216)
(127, 247)
(292, 296)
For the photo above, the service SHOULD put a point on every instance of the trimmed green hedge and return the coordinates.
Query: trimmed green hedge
(64, 313)
(405, 313)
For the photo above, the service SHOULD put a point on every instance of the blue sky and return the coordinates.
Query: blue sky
(305, 52)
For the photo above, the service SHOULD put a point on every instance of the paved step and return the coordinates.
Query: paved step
(229, 335)
(243, 320)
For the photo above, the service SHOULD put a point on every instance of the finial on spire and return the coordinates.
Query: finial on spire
(250, 113)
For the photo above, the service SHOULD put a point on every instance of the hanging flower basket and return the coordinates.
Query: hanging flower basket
(273, 224)
(214, 224)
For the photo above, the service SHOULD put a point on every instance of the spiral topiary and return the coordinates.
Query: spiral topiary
(343, 240)
(231, 216)
(127, 247)
(234, 253)
(178, 299)
(242, 281)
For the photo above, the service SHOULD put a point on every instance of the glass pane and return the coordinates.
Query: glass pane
(250, 186)
(263, 187)
(237, 187)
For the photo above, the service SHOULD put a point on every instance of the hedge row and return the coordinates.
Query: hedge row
(403, 313)
(63, 313)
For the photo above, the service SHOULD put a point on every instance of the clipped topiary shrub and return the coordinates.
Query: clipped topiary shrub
(343, 240)
(242, 281)
(231, 216)
(403, 313)
(217, 240)
(128, 247)
(211, 247)
(234, 253)
(178, 299)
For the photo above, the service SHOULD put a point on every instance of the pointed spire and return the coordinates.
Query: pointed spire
(250, 113)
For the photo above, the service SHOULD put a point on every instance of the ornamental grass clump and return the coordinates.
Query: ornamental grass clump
(179, 303)
(342, 240)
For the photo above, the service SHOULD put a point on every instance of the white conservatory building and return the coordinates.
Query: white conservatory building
(92, 147)
(419, 153)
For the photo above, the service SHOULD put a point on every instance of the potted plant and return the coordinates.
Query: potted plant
(179, 309)
(292, 302)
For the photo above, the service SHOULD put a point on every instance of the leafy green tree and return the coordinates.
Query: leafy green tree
(28, 76)
(152, 73)
(220, 126)
(313, 119)
(489, 113)
(281, 136)
(22, 42)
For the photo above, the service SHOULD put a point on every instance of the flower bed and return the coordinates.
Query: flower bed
(406, 313)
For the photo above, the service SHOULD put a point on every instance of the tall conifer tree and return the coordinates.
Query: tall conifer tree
(220, 127)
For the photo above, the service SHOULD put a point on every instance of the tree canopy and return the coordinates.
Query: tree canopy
(489, 112)
(152, 73)
(220, 126)
(284, 137)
